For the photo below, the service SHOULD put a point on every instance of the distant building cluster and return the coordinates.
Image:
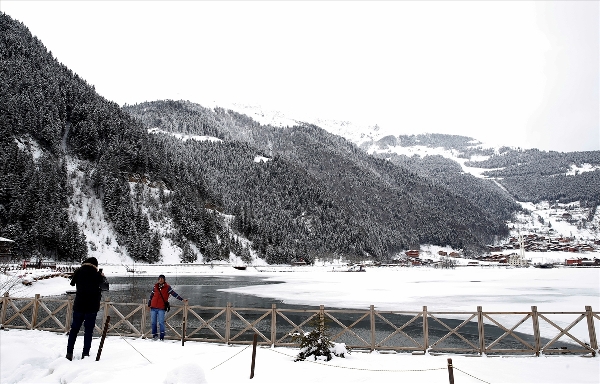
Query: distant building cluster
(539, 243)
(582, 262)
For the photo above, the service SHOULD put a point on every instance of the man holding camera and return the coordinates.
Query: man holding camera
(90, 282)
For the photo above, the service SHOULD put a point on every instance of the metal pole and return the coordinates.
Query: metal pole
(450, 371)
(103, 337)
(254, 342)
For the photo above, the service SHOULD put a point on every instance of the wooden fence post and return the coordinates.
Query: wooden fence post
(321, 319)
(425, 330)
(3, 312)
(144, 314)
(34, 314)
(69, 318)
(254, 342)
(373, 340)
(481, 330)
(536, 330)
(104, 331)
(184, 322)
(450, 371)
(106, 309)
(227, 322)
(273, 324)
(591, 328)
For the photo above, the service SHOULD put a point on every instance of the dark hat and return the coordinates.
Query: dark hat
(91, 260)
(163, 276)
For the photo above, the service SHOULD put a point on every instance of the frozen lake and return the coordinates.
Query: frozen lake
(398, 289)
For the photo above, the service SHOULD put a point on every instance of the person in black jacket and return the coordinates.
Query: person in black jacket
(90, 282)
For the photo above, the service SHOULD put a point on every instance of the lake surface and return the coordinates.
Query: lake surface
(199, 290)
(206, 291)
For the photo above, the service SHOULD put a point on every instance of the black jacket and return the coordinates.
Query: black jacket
(90, 283)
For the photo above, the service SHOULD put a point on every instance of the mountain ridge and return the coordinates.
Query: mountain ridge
(314, 194)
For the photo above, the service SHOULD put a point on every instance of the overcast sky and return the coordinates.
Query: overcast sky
(505, 72)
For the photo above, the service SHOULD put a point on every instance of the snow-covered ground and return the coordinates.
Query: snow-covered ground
(38, 357)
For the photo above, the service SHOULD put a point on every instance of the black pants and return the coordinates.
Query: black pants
(89, 321)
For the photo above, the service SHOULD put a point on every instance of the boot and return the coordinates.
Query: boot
(69, 356)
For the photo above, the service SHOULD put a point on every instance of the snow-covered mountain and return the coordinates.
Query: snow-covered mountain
(538, 217)
(81, 175)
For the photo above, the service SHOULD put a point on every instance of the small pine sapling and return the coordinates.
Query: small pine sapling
(316, 342)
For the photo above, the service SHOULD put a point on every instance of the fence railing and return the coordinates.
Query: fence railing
(423, 331)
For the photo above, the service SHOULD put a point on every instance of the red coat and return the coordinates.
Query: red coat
(155, 299)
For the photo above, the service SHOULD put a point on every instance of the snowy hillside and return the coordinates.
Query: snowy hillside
(543, 217)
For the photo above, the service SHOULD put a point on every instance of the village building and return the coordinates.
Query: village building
(517, 260)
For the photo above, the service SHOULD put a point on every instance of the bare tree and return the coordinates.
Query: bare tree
(10, 282)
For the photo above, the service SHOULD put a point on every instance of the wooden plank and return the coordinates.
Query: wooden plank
(42, 315)
(425, 330)
(4, 306)
(19, 314)
(591, 328)
(273, 324)
(400, 330)
(184, 325)
(125, 319)
(536, 330)
(250, 325)
(565, 332)
(34, 313)
(168, 324)
(51, 315)
(206, 323)
(372, 320)
(143, 321)
(507, 332)
(349, 328)
(453, 331)
(480, 329)
(296, 327)
(227, 322)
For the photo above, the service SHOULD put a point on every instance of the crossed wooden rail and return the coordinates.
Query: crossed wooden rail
(426, 331)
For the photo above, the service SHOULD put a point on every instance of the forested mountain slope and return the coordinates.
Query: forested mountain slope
(293, 192)
(49, 116)
(372, 206)
(534, 175)
(527, 175)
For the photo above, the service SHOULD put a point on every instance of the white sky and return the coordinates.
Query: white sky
(523, 73)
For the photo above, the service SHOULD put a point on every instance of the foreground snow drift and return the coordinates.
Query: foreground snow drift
(38, 357)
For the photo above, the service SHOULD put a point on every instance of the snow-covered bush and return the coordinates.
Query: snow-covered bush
(317, 342)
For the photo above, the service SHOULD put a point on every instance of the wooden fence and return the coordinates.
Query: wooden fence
(423, 331)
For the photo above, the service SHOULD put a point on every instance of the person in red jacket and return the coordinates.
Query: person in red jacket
(157, 304)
